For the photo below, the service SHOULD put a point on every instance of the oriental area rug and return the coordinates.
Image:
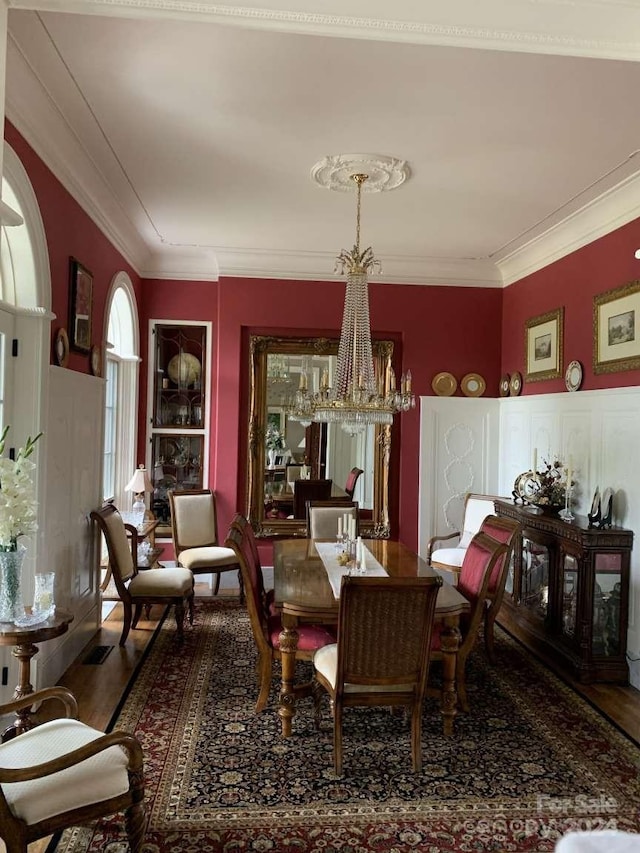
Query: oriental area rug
(530, 762)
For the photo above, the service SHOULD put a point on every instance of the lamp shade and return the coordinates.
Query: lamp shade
(140, 482)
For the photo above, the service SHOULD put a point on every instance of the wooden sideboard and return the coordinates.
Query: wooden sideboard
(567, 592)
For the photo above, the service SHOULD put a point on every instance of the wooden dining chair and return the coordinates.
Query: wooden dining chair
(480, 560)
(382, 653)
(309, 490)
(322, 517)
(352, 479)
(502, 530)
(265, 625)
(141, 588)
(64, 773)
(194, 525)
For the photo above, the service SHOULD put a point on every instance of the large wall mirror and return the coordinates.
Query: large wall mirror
(283, 449)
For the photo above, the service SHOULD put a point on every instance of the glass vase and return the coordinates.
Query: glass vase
(11, 606)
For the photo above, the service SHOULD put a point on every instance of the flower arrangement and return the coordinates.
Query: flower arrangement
(18, 504)
(552, 481)
(274, 439)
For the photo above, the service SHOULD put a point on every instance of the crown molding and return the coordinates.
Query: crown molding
(33, 112)
(612, 209)
(565, 28)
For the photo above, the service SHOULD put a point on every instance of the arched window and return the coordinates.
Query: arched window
(121, 400)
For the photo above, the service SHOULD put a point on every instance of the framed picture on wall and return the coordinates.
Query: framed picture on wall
(616, 329)
(80, 304)
(543, 346)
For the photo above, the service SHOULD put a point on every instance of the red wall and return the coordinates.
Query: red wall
(436, 328)
(70, 233)
(571, 282)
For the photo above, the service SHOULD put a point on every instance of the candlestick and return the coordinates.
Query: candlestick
(535, 459)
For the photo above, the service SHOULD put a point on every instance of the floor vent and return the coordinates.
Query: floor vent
(97, 655)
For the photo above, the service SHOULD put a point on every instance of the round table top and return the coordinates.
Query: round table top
(15, 635)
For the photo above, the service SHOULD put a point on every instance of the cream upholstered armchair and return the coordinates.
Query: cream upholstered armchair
(322, 517)
(194, 523)
(141, 588)
(64, 773)
(450, 557)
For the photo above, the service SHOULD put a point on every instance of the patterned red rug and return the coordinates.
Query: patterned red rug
(530, 762)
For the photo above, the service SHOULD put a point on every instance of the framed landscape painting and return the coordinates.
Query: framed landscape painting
(80, 304)
(616, 329)
(543, 346)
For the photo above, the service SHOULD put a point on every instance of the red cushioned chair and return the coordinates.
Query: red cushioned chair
(476, 572)
(352, 479)
(266, 626)
(502, 530)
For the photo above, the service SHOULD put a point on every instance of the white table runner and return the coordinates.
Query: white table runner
(335, 572)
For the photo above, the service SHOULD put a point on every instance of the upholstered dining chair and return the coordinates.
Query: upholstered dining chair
(309, 490)
(449, 558)
(502, 530)
(322, 517)
(480, 560)
(64, 773)
(141, 588)
(194, 525)
(382, 653)
(250, 546)
(266, 626)
(352, 478)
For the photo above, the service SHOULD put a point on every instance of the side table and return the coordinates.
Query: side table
(24, 642)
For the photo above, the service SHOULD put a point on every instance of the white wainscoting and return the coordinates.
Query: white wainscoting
(74, 431)
(482, 445)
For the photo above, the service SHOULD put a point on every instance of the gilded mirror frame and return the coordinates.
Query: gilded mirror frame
(260, 347)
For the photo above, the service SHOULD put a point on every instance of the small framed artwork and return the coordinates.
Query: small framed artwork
(616, 329)
(80, 304)
(543, 346)
(275, 418)
(61, 348)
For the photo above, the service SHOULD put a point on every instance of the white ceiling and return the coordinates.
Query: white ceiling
(188, 131)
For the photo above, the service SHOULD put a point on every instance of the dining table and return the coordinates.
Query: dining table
(303, 593)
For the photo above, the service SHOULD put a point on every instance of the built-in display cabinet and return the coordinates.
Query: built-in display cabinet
(178, 417)
(567, 592)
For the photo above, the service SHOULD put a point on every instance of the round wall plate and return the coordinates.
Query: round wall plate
(472, 385)
(505, 379)
(573, 376)
(515, 384)
(61, 347)
(95, 360)
(444, 384)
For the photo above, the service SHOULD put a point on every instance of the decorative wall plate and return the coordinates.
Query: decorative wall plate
(96, 361)
(472, 385)
(515, 384)
(444, 384)
(61, 347)
(573, 376)
(504, 385)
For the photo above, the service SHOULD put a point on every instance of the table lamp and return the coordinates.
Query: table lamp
(139, 484)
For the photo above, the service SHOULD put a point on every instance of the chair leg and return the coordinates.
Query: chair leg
(461, 685)
(316, 692)
(337, 738)
(416, 737)
(126, 622)
(179, 610)
(134, 821)
(264, 674)
(191, 605)
(489, 643)
(241, 586)
(136, 614)
(217, 585)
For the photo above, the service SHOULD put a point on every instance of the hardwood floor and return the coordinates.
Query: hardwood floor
(99, 687)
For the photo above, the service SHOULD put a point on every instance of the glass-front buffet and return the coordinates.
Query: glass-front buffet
(567, 592)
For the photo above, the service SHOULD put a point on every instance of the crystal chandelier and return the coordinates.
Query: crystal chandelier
(301, 406)
(358, 397)
(277, 369)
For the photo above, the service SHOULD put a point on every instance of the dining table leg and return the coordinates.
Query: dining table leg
(287, 701)
(449, 643)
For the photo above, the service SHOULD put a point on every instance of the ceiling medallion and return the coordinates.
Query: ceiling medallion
(336, 171)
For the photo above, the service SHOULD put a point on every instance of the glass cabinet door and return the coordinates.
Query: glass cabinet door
(569, 626)
(534, 592)
(179, 380)
(606, 639)
(177, 465)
